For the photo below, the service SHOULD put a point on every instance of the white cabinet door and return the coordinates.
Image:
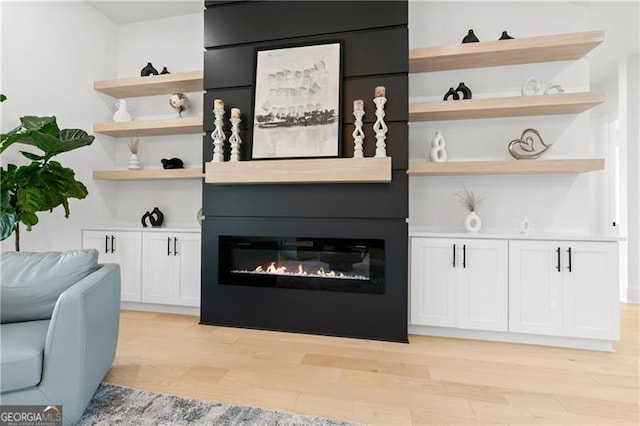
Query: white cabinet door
(482, 284)
(535, 287)
(125, 249)
(188, 290)
(171, 268)
(433, 282)
(590, 307)
(160, 268)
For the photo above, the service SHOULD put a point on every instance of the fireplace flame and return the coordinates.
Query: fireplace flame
(276, 269)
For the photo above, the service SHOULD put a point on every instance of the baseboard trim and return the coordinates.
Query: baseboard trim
(167, 309)
(633, 295)
(508, 337)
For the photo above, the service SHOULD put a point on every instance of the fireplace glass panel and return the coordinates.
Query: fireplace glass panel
(329, 264)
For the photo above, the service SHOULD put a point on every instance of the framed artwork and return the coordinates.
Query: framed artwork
(297, 99)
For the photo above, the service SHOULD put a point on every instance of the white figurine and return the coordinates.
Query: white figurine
(438, 153)
(121, 114)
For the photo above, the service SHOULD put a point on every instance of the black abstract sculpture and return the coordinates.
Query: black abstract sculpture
(451, 93)
(172, 163)
(148, 70)
(505, 36)
(470, 38)
(155, 218)
(466, 92)
(164, 71)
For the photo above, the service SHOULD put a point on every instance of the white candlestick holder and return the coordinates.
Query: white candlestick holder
(380, 127)
(218, 136)
(358, 135)
(234, 139)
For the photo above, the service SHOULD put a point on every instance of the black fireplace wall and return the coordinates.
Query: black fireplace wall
(375, 53)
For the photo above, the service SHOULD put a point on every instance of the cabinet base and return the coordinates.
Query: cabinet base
(498, 336)
(167, 309)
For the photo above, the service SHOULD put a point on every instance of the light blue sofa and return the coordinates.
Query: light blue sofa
(60, 316)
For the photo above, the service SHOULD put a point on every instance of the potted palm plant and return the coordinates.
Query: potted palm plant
(42, 185)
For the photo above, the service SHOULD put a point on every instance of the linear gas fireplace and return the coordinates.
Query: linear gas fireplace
(327, 264)
(344, 277)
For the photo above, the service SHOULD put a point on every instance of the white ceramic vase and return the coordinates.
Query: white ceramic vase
(134, 162)
(121, 115)
(472, 222)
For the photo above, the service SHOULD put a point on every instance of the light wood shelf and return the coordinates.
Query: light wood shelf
(321, 170)
(191, 81)
(560, 47)
(148, 174)
(175, 126)
(515, 106)
(506, 167)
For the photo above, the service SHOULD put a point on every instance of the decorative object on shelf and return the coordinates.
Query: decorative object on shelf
(451, 93)
(525, 225)
(470, 38)
(218, 135)
(200, 216)
(525, 147)
(464, 90)
(297, 101)
(179, 102)
(156, 218)
(472, 222)
(234, 139)
(148, 70)
(380, 126)
(134, 162)
(358, 134)
(531, 86)
(172, 163)
(121, 115)
(505, 36)
(164, 71)
(438, 153)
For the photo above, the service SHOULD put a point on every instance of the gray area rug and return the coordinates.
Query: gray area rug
(117, 405)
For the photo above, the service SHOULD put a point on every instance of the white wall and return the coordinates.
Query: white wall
(51, 54)
(177, 44)
(560, 204)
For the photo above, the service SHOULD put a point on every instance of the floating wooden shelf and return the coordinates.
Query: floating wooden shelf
(506, 167)
(152, 85)
(516, 106)
(560, 47)
(322, 170)
(165, 127)
(148, 174)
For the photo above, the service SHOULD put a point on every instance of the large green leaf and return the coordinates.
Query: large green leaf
(8, 222)
(29, 219)
(29, 125)
(27, 175)
(31, 199)
(31, 156)
(77, 190)
(2, 97)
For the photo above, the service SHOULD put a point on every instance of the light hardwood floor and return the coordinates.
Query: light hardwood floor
(432, 380)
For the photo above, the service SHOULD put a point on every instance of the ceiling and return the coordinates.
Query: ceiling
(126, 12)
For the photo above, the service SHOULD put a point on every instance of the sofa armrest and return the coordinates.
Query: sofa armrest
(82, 339)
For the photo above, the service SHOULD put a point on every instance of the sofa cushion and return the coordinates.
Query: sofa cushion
(21, 353)
(31, 283)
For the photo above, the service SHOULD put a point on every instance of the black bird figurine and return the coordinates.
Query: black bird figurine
(451, 93)
(172, 163)
(164, 71)
(148, 70)
(470, 38)
(505, 36)
(466, 92)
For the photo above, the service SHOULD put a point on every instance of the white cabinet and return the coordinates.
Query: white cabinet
(459, 283)
(123, 248)
(158, 266)
(564, 288)
(171, 268)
